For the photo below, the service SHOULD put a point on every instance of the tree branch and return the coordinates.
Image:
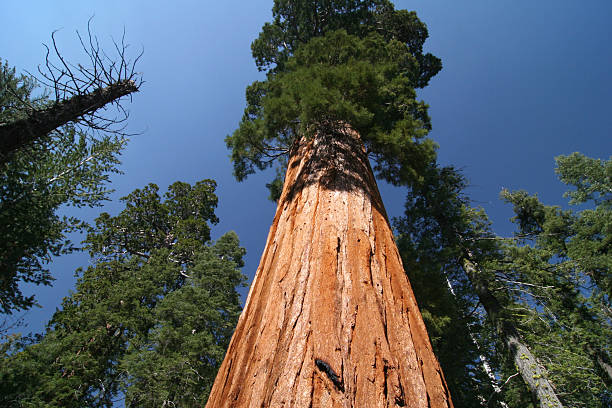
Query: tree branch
(16, 135)
(80, 92)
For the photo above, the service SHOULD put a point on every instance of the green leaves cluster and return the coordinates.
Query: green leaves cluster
(333, 64)
(67, 167)
(150, 319)
(297, 22)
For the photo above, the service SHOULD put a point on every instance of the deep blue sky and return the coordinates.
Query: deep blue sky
(523, 81)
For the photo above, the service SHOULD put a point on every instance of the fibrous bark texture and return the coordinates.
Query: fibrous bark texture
(331, 319)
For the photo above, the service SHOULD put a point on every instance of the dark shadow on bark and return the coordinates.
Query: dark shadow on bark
(337, 160)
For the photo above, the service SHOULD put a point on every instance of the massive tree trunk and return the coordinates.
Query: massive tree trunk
(330, 320)
(528, 366)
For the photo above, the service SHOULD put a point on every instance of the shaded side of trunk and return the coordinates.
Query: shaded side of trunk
(39, 123)
(529, 368)
(330, 320)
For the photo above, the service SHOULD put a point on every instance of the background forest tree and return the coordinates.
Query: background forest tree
(148, 322)
(545, 285)
(57, 147)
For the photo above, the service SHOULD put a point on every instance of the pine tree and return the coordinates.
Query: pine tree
(331, 319)
(561, 268)
(74, 94)
(66, 166)
(544, 291)
(57, 147)
(149, 320)
(453, 239)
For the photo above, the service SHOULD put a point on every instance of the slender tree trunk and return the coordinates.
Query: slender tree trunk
(529, 368)
(486, 367)
(16, 135)
(330, 320)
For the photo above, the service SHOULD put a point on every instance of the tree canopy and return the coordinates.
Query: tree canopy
(331, 64)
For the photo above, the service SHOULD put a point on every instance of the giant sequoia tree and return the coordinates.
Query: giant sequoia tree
(331, 319)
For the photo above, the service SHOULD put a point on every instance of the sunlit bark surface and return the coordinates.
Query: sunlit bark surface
(330, 320)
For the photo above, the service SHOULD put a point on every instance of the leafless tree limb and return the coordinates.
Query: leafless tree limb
(82, 95)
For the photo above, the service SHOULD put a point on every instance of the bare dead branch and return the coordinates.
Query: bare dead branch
(82, 94)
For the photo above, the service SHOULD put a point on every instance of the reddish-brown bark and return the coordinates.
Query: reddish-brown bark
(330, 320)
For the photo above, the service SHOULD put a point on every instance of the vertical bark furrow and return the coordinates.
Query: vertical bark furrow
(331, 319)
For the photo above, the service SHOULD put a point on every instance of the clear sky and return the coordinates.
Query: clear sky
(523, 81)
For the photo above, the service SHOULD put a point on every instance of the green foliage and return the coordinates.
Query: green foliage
(436, 231)
(592, 178)
(338, 64)
(562, 267)
(551, 282)
(298, 21)
(68, 167)
(151, 318)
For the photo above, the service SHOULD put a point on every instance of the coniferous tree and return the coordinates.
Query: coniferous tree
(455, 240)
(545, 287)
(75, 94)
(67, 166)
(149, 320)
(560, 271)
(57, 147)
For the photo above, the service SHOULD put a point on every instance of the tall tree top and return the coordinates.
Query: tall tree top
(333, 63)
(297, 22)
